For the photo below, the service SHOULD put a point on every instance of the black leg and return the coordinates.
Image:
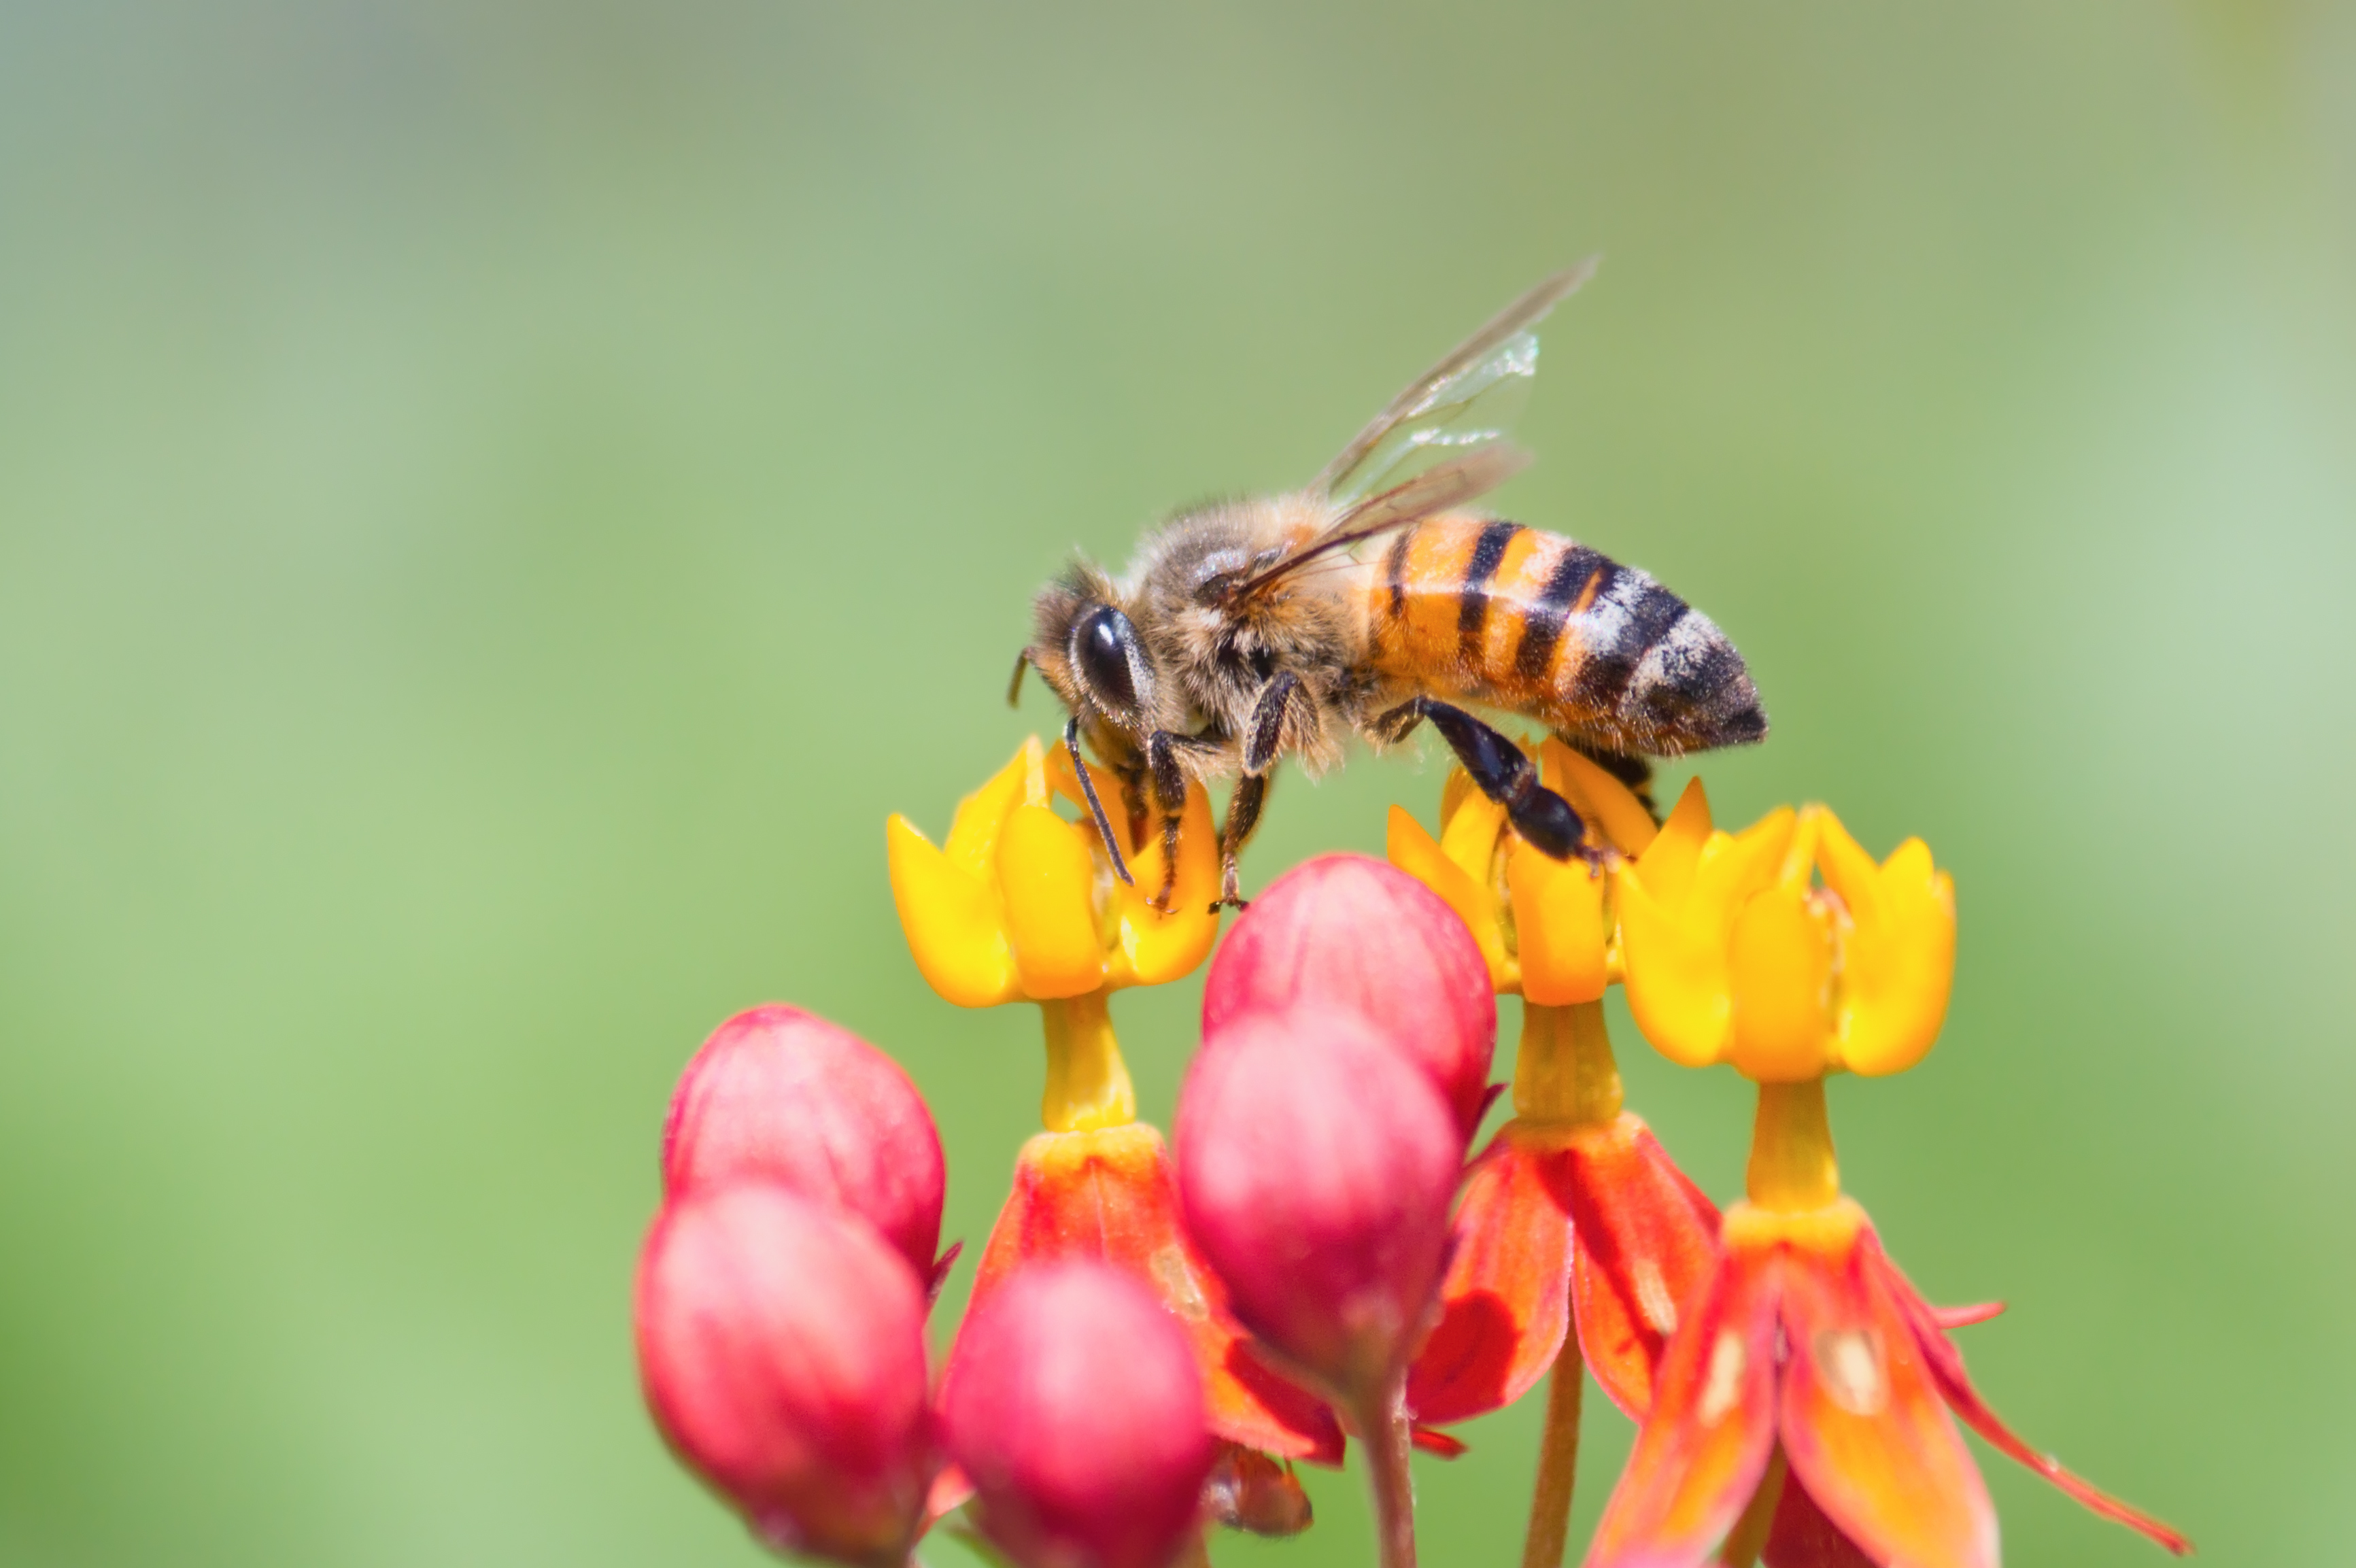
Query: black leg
(1169, 782)
(1544, 819)
(1096, 806)
(1242, 816)
(1263, 745)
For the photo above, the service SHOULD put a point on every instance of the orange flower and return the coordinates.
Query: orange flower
(1110, 1194)
(1802, 1402)
(1574, 1216)
(1808, 1364)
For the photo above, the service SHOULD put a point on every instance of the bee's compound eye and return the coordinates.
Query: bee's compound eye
(1101, 646)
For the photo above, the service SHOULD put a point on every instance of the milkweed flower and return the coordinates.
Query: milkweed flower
(1018, 903)
(779, 1093)
(1076, 1412)
(1578, 1240)
(1804, 1402)
(781, 1342)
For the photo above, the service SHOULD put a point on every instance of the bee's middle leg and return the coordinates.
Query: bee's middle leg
(1500, 770)
(1168, 782)
(1279, 701)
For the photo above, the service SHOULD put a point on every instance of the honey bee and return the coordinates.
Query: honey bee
(1247, 632)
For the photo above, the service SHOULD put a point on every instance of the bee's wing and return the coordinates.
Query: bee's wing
(1465, 402)
(1444, 484)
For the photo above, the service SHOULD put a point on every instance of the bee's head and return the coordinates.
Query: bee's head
(1085, 645)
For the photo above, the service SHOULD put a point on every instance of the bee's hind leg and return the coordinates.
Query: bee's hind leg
(1262, 747)
(1501, 771)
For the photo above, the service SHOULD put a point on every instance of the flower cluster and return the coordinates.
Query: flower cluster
(1152, 1340)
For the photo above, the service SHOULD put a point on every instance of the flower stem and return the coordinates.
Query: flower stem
(1384, 1432)
(1792, 1163)
(1549, 1530)
(1566, 1072)
(1748, 1536)
(1087, 1083)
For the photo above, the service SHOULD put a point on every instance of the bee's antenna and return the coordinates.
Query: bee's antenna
(1087, 788)
(1015, 686)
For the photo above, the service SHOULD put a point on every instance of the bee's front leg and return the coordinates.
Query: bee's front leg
(1279, 701)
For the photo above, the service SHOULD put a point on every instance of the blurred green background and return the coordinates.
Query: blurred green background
(497, 501)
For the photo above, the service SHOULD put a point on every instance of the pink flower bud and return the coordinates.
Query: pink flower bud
(1315, 1166)
(1346, 930)
(780, 1094)
(1076, 1408)
(782, 1345)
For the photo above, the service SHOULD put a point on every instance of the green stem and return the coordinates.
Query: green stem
(1384, 1433)
(1566, 1072)
(1087, 1083)
(1549, 1530)
(1748, 1536)
(1792, 1164)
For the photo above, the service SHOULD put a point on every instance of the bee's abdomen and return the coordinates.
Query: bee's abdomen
(1525, 619)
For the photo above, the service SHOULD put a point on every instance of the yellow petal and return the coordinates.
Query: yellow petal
(1152, 948)
(1781, 960)
(1414, 852)
(1470, 838)
(1676, 949)
(1667, 866)
(972, 845)
(953, 921)
(1609, 805)
(1679, 986)
(1559, 926)
(1454, 792)
(1899, 962)
(1048, 880)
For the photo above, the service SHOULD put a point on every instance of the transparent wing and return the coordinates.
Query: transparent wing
(1445, 484)
(1465, 402)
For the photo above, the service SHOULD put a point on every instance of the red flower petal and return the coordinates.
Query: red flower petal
(1946, 1367)
(1862, 1423)
(1702, 1451)
(1506, 1299)
(1965, 1316)
(1644, 1237)
(1110, 1194)
(1802, 1537)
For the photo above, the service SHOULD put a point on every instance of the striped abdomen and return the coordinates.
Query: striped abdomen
(1497, 613)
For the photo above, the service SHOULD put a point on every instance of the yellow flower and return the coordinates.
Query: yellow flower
(1542, 923)
(1018, 903)
(1732, 953)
